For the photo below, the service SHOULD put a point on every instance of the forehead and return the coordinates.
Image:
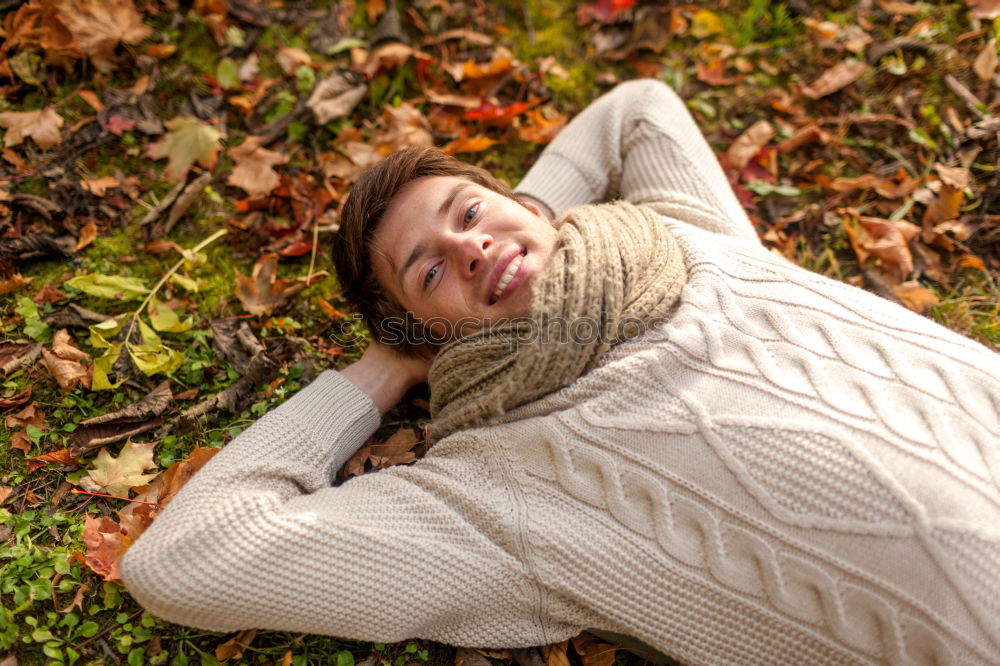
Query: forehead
(414, 209)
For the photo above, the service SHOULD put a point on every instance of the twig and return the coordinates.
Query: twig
(77, 491)
(973, 102)
(103, 632)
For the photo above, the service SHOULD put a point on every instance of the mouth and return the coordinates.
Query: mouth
(506, 276)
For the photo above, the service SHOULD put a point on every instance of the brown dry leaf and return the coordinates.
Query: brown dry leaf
(139, 417)
(167, 485)
(63, 347)
(390, 56)
(402, 126)
(42, 126)
(99, 186)
(291, 58)
(13, 283)
(956, 177)
(5, 492)
(336, 96)
(116, 476)
(888, 240)
(452, 99)
(555, 654)
(749, 143)
(985, 65)
(63, 362)
(915, 296)
(30, 415)
(984, 9)
(594, 652)
(87, 236)
(839, 76)
(100, 25)
(62, 456)
(898, 7)
(14, 354)
(947, 206)
(77, 599)
(233, 648)
(808, 134)
(468, 657)
(16, 399)
(262, 293)
(254, 171)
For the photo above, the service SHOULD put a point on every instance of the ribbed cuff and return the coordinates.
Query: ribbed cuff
(558, 183)
(333, 409)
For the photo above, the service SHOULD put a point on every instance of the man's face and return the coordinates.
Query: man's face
(459, 256)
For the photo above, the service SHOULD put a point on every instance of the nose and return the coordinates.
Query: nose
(470, 250)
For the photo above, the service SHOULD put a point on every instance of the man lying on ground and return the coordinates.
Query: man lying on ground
(643, 422)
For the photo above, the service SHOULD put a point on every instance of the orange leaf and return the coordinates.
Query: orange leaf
(468, 144)
(914, 296)
(106, 545)
(539, 129)
(13, 283)
(87, 235)
(61, 456)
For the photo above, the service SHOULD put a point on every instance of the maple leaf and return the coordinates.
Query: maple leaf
(116, 476)
(262, 292)
(106, 544)
(189, 140)
(254, 171)
(41, 125)
(100, 25)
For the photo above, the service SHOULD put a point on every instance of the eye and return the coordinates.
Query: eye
(470, 215)
(430, 274)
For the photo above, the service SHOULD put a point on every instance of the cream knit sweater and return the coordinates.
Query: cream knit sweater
(789, 471)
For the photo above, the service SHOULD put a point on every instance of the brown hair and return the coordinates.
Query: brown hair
(366, 204)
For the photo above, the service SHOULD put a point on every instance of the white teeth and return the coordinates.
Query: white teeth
(507, 276)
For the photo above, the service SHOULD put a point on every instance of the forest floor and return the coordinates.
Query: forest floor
(170, 180)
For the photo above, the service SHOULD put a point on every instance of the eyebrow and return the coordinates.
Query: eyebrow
(421, 247)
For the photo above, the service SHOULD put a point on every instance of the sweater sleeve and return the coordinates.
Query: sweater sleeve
(638, 143)
(260, 539)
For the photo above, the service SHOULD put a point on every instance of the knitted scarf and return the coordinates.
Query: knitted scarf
(616, 271)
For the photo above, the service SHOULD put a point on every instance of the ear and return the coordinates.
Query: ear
(536, 206)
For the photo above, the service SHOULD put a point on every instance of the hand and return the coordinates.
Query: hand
(385, 374)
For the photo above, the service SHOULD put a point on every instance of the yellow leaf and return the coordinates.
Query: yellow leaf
(706, 23)
(165, 319)
(102, 366)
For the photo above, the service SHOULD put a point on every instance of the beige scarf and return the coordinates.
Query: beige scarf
(616, 272)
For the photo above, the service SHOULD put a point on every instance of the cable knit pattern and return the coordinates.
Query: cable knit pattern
(787, 471)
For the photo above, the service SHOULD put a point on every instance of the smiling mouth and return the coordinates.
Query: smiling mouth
(508, 274)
